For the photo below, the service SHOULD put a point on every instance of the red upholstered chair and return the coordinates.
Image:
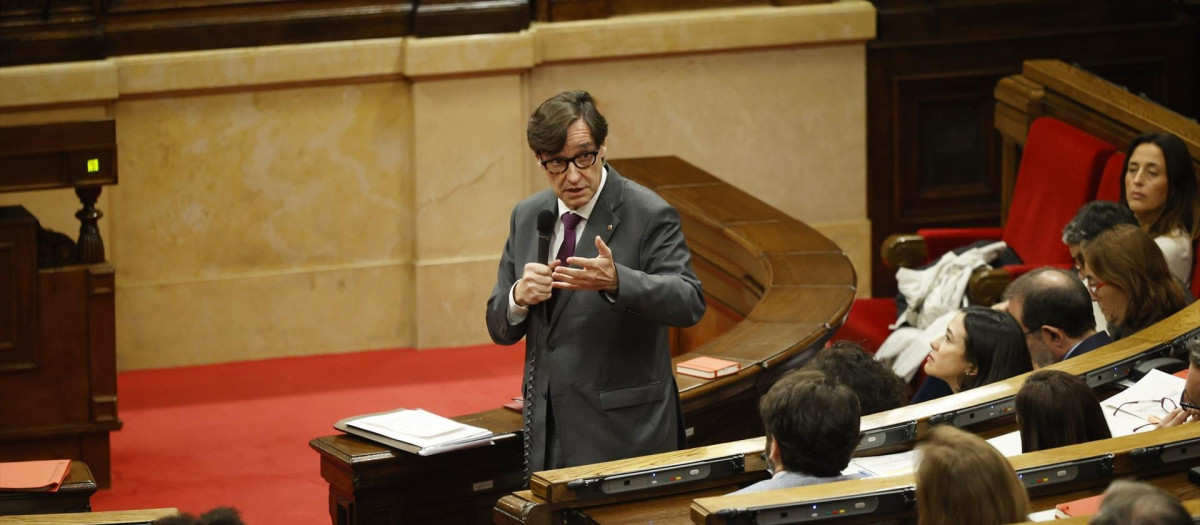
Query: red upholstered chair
(1110, 181)
(1060, 172)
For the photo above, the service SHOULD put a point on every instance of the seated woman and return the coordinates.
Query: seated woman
(980, 346)
(962, 479)
(1127, 276)
(1160, 188)
(1056, 409)
(877, 387)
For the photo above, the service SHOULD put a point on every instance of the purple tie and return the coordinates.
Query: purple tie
(570, 222)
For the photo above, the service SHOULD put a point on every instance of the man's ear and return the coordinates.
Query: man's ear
(603, 151)
(773, 452)
(1054, 336)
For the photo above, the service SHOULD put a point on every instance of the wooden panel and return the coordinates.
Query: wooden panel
(18, 294)
(67, 406)
(67, 154)
(459, 17)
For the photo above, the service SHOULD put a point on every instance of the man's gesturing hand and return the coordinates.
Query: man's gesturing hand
(593, 274)
(535, 284)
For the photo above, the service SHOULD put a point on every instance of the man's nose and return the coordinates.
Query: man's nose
(573, 173)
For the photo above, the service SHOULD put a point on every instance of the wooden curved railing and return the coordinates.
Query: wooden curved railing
(776, 289)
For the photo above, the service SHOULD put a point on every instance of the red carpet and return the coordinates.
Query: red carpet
(237, 434)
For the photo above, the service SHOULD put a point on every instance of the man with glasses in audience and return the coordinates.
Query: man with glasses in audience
(598, 381)
(1189, 402)
(1055, 313)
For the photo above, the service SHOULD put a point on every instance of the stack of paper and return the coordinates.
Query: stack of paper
(416, 431)
(34, 476)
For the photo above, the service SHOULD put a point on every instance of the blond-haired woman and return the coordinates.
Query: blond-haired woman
(962, 479)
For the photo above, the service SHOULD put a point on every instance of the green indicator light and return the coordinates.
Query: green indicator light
(93, 165)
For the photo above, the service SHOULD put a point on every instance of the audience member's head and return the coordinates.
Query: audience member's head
(877, 387)
(1127, 275)
(811, 423)
(962, 479)
(1056, 409)
(1141, 503)
(1093, 218)
(1160, 185)
(980, 346)
(1054, 310)
(217, 516)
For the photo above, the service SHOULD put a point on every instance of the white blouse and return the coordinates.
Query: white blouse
(1177, 249)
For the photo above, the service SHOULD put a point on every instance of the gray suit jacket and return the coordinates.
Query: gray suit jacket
(605, 365)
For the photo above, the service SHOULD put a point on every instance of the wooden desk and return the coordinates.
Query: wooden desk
(75, 495)
(776, 291)
(118, 517)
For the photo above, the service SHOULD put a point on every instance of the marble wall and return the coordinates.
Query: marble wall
(345, 196)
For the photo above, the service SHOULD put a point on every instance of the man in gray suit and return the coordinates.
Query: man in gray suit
(598, 379)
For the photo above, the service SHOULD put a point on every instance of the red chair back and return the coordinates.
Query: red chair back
(1060, 171)
(1110, 181)
(1196, 271)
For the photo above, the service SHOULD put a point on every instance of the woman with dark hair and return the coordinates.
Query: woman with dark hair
(1128, 277)
(962, 479)
(877, 387)
(1056, 409)
(980, 346)
(1160, 188)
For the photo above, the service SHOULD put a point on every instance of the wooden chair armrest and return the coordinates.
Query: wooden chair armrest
(986, 286)
(904, 250)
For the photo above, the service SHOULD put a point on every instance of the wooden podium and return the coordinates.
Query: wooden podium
(58, 369)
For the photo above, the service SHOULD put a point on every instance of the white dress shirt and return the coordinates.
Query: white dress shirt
(517, 313)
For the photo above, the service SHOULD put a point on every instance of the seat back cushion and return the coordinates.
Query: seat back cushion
(1110, 181)
(1060, 171)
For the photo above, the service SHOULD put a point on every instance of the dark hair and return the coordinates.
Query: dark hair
(217, 516)
(1053, 297)
(962, 479)
(995, 345)
(1126, 257)
(1141, 503)
(814, 421)
(1095, 217)
(547, 129)
(1182, 209)
(1056, 409)
(877, 387)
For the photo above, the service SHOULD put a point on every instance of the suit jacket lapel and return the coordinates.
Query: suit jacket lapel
(603, 215)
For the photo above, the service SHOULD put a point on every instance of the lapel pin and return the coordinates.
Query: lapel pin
(609, 227)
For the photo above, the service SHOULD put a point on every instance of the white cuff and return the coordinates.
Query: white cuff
(516, 312)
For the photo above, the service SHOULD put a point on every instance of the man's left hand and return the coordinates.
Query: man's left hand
(599, 273)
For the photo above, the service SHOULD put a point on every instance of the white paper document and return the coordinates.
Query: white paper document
(431, 432)
(1141, 403)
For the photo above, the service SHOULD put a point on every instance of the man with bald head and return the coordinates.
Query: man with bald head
(1054, 310)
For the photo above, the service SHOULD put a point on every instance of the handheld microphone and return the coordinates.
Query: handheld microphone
(545, 228)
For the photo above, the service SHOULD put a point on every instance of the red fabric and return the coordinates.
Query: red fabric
(237, 434)
(1110, 181)
(868, 323)
(1060, 171)
(939, 241)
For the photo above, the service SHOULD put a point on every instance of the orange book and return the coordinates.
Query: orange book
(1079, 507)
(34, 476)
(707, 367)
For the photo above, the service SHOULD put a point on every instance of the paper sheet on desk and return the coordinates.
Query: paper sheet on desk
(1155, 386)
(903, 462)
(431, 432)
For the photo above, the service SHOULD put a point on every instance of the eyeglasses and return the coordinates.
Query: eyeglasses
(582, 161)
(1166, 404)
(1093, 284)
